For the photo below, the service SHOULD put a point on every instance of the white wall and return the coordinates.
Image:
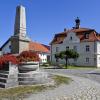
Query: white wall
(83, 54)
(75, 39)
(6, 48)
(98, 53)
(43, 57)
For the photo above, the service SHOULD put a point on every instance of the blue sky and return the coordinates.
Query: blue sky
(47, 17)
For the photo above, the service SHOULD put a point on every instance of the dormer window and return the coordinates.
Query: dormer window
(86, 35)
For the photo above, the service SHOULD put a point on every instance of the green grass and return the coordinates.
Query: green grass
(61, 80)
(18, 91)
(22, 91)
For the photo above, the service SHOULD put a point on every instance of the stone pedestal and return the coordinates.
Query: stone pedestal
(30, 74)
(9, 78)
(32, 78)
(28, 66)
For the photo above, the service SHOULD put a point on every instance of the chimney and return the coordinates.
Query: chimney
(77, 21)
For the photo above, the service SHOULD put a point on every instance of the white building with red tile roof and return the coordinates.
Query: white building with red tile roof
(84, 40)
(42, 50)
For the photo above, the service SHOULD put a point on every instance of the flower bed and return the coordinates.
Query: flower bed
(5, 59)
(29, 61)
(27, 56)
(26, 59)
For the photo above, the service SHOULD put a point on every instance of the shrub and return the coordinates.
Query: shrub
(8, 58)
(26, 56)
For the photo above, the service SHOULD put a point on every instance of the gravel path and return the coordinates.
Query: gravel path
(79, 89)
(92, 74)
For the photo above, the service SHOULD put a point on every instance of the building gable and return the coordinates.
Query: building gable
(71, 38)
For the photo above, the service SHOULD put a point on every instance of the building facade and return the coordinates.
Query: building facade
(83, 40)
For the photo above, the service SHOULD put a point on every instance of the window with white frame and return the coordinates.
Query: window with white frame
(9, 46)
(94, 59)
(75, 60)
(87, 48)
(57, 49)
(67, 47)
(87, 60)
(75, 48)
(71, 38)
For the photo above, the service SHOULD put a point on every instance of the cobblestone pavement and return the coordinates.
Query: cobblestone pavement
(81, 88)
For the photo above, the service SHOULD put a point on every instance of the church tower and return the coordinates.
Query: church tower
(20, 41)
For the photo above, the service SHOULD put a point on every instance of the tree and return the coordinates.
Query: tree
(68, 54)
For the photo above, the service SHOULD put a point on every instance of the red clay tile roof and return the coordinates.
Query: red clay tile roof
(93, 35)
(38, 47)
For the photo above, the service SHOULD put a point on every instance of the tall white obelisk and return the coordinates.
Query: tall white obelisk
(20, 21)
(20, 41)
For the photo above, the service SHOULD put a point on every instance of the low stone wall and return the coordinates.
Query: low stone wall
(24, 74)
(9, 78)
(33, 78)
